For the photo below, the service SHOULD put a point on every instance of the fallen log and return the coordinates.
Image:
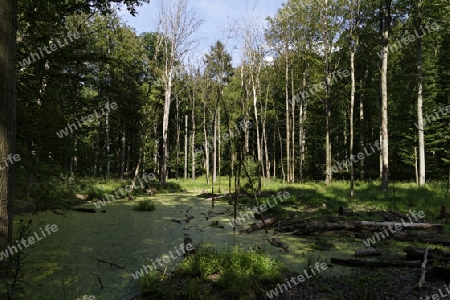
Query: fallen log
(82, 197)
(400, 215)
(224, 196)
(85, 210)
(440, 272)
(259, 225)
(423, 270)
(435, 241)
(368, 252)
(375, 264)
(342, 233)
(433, 254)
(411, 237)
(277, 243)
(364, 225)
(344, 211)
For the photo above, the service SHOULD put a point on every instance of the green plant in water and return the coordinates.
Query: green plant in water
(146, 205)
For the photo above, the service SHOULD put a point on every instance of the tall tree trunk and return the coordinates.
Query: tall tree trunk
(165, 146)
(218, 144)
(230, 147)
(143, 160)
(293, 128)
(258, 141)
(186, 146)
(177, 146)
(275, 153)
(301, 132)
(205, 135)
(108, 159)
(448, 182)
(122, 163)
(264, 134)
(288, 130)
(8, 98)
(362, 124)
(384, 96)
(416, 168)
(281, 152)
(421, 178)
(136, 173)
(97, 146)
(352, 107)
(156, 148)
(193, 141)
(214, 174)
(328, 172)
(355, 8)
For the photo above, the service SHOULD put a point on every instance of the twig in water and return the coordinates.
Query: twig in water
(110, 263)
(99, 280)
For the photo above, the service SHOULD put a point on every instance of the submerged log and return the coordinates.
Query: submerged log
(110, 263)
(368, 252)
(375, 264)
(86, 210)
(259, 225)
(277, 243)
(188, 246)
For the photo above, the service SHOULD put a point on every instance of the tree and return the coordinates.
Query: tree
(386, 21)
(353, 42)
(421, 179)
(218, 70)
(8, 96)
(177, 25)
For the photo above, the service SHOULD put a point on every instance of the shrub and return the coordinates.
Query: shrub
(146, 205)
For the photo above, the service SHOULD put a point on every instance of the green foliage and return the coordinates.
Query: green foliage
(235, 268)
(146, 205)
(155, 283)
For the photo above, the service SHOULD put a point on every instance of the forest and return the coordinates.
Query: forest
(331, 125)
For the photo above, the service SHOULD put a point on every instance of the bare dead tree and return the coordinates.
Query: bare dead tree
(177, 25)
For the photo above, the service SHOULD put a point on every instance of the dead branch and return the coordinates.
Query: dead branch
(99, 280)
(424, 268)
(110, 263)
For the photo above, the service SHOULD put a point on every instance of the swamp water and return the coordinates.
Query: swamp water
(64, 265)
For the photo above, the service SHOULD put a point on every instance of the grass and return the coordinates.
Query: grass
(146, 205)
(235, 272)
(401, 196)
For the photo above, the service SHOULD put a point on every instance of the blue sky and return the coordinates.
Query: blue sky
(217, 15)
